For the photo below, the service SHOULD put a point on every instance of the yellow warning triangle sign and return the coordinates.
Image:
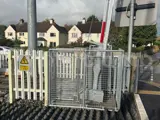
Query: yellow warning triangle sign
(24, 60)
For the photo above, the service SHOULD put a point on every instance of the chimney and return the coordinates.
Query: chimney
(83, 21)
(21, 21)
(51, 21)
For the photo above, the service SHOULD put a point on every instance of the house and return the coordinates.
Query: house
(87, 31)
(52, 33)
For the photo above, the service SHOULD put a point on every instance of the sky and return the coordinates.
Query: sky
(62, 11)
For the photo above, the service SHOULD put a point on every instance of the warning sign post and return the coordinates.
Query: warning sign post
(24, 64)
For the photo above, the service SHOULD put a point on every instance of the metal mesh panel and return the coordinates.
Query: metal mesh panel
(84, 78)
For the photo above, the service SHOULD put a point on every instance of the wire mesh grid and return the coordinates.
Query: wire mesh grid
(85, 78)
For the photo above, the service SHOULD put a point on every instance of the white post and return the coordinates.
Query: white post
(63, 63)
(10, 70)
(29, 79)
(82, 60)
(40, 75)
(16, 71)
(70, 65)
(22, 79)
(60, 64)
(46, 77)
(75, 66)
(66, 63)
(34, 75)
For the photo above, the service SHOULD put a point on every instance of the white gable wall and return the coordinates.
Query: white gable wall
(93, 36)
(77, 34)
(53, 39)
(10, 30)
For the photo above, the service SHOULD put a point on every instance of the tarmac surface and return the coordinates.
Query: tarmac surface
(150, 96)
(152, 106)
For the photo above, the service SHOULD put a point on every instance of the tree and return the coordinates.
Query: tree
(17, 43)
(143, 35)
(92, 18)
(2, 29)
(79, 40)
(118, 37)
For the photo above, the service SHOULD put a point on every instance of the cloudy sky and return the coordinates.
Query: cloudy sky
(63, 11)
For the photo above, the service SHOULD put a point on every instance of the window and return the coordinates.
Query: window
(52, 34)
(21, 34)
(74, 35)
(52, 44)
(41, 34)
(10, 34)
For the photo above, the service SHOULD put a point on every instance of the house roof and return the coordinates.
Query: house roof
(95, 27)
(41, 27)
(13, 26)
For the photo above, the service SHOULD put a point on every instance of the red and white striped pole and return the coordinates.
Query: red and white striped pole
(105, 15)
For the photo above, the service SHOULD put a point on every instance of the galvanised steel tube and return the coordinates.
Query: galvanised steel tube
(32, 24)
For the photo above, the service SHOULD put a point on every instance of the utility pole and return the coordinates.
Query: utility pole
(134, 7)
(32, 24)
(131, 25)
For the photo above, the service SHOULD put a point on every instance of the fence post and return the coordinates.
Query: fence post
(137, 75)
(133, 69)
(46, 77)
(10, 74)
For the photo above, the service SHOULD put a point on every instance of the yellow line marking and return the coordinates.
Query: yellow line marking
(152, 83)
(149, 92)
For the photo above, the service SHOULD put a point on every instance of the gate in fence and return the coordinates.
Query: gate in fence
(85, 78)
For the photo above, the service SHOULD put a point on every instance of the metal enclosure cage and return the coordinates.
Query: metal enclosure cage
(81, 78)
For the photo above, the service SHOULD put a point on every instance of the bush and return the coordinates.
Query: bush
(157, 42)
(10, 43)
(6, 42)
(75, 44)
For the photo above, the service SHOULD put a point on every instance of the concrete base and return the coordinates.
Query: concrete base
(140, 107)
